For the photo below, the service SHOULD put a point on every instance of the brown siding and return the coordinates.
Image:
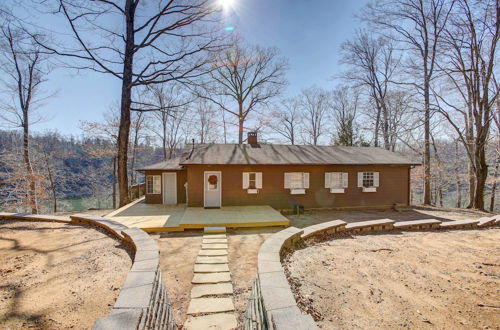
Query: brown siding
(181, 191)
(393, 187)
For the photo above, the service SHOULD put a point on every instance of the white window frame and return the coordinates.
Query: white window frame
(153, 184)
(301, 177)
(336, 182)
(258, 182)
(362, 178)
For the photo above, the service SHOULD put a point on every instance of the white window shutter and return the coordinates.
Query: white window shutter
(328, 180)
(258, 180)
(345, 179)
(305, 177)
(360, 179)
(246, 180)
(287, 180)
(375, 179)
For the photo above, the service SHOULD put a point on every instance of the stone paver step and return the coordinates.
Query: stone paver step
(214, 246)
(214, 236)
(211, 260)
(219, 321)
(204, 278)
(214, 241)
(210, 305)
(214, 230)
(210, 268)
(212, 253)
(204, 290)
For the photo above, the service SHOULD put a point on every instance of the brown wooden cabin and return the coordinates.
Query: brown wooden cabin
(282, 176)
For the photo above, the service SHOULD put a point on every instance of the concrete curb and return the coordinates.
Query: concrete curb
(272, 303)
(143, 301)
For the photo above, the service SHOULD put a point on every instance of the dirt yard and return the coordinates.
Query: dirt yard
(418, 280)
(244, 245)
(57, 276)
(178, 252)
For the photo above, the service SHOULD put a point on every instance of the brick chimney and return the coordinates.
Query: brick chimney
(252, 138)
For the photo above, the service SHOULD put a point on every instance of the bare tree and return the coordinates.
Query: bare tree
(345, 106)
(138, 124)
(154, 42)
(247, 76)
(315, 103)
(286, 120)
(471, 41)
(372, 66)
(169, 106)
(206, 126)
(24, 70)
(418, 26)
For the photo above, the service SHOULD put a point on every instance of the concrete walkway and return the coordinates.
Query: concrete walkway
(211, 305)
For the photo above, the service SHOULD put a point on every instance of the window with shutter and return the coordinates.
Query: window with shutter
(252, 181)
(297, 182)
(337, 182)
(369, 181)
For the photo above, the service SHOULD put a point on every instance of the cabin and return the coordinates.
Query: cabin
(281, 176)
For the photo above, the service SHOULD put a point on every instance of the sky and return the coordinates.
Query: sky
(307, 32)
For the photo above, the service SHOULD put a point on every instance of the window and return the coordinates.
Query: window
(153, 184)
(297, 182)
(252, 181)
(336, 182)
(368, 179)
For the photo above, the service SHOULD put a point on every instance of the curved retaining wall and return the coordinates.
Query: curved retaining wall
(143, 301)
(272, 304)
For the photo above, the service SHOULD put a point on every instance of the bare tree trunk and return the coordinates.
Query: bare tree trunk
(114, 182)
(497, 164)
(241, 121)
(481, 174)
(33, 203)
(457, 177)
(494, 187)
(126, 100)
(51, 181)
(427, 152)
(377, 126)
(224, 125)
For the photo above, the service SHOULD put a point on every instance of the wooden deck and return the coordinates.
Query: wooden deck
(162, 218)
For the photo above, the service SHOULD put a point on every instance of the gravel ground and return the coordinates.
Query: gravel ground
(416, 280)
(57, 276)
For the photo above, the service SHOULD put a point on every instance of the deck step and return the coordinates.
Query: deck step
(214, 230)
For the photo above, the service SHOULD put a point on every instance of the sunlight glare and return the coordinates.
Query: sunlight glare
(226, 4)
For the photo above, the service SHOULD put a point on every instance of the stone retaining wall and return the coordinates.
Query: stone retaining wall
(272, 304)
(143, 300)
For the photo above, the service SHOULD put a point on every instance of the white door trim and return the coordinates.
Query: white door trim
(205, 187)
(163, 180)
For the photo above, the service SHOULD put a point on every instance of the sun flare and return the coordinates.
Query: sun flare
(226, 4)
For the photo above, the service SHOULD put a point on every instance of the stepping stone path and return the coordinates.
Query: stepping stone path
(211, 306)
